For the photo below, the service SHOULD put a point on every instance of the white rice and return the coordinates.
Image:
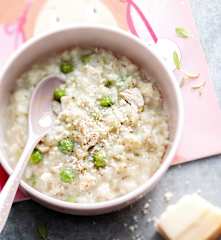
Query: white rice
(132, 134)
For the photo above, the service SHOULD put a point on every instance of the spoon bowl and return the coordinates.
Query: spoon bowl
(40, 114)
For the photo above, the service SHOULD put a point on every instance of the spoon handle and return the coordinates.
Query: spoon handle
(8, 192)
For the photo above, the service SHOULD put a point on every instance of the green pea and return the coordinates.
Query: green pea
(71, 199)
(109, 83)
(59, 93)
(36, 157)
(85, 59)
(66, 67)
(104, 60)
(66, 146)
(67, 175)
(99, 160)
(106, 101)
(32, 180)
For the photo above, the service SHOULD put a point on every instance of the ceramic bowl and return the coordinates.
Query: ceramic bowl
(121, 43)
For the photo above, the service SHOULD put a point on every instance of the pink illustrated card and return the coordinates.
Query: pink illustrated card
(165, 25)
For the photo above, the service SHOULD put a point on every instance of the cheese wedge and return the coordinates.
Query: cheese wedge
(191, 218)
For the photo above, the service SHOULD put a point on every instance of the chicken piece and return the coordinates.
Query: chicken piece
(91, 139)
(43, 148)
(87, 181)
(134, 97)
(131, 142)
(86, 136)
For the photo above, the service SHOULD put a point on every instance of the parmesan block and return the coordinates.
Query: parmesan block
(191, 218)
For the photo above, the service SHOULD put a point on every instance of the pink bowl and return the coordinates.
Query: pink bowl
(121, 43)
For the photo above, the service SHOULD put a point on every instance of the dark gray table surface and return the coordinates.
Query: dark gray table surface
(205, 175)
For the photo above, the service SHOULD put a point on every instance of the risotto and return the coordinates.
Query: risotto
(110, 127)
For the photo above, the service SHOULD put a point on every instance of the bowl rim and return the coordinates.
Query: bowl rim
(139, 191)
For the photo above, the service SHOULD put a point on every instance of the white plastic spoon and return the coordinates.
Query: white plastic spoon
(39, 123)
